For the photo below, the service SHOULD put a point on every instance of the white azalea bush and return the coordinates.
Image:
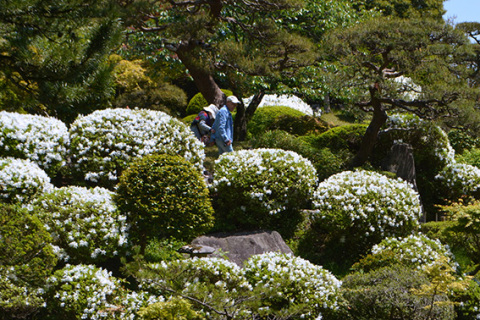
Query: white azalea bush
(105, 141)
(286, 100)
(291, 286)
(262, 188)
(85, 224)
(44, 140)
(88, 292)
(21, 180)
(215, 282)
(459, 179)
(364, 207)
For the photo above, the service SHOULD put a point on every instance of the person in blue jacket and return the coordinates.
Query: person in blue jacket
(223, 126)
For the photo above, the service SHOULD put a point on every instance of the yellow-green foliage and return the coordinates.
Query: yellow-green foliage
(173, 309)
(164, 196)
(198, 102)
(265, 117)
(346, 137)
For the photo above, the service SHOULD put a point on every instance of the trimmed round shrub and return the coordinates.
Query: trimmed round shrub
(85, 223)
(291, 286)
(173, 309)
(216, 282)
(87, 292)
(44, 140)
(263, 118)
(262, 189)
(106, 141)
(21, 180)
(198, 102)
(348, 137)
(364, 207)
(286, 100)
(164, 196)
(299, 125)
(471, 157)
(415, 251)
(460, 180)
(390, 293)
(26, 260)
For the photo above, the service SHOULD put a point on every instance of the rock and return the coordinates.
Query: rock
(402, 163)
(238, 247)
(197, 250)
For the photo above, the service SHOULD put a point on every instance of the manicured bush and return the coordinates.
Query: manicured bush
(173, 309)
(299, 125)
(164, 196)
(263, 118)
(348, 137)
(463, 140)
(471, 157)
(285, 100)
(26, 260)
(21, 180)
(392, 292)
(85, 223)
(106, 141)
(290, 287)
(44, 140)
(198, 102)
(87, 292)
(262, 189)
(459, 180)
(364, 207)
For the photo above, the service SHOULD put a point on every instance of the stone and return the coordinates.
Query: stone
(238, 247)
(401, 162)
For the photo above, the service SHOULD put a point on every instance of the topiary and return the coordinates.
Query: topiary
(173, 309)
(290, 286)
(299, 125)
(21, 181)
(43, 140)
(106, 141)
(262, 189)
(85, 223)
(364, 207)
(198, 102)
(164, 196)
(26, 260)
(346, 137)
(458, 180)
(263, 118)
(291, 101)
(471, 157)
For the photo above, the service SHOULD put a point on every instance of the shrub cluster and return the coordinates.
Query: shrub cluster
(104, 142)
(262, 189)
(86, 225)
(290, 101)
(44, 140)
(198, 102)
(264, 118)
(459, 180)
(22, 180)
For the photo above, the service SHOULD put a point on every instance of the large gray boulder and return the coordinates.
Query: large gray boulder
(238, 247)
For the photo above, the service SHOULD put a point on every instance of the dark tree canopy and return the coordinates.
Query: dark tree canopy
(405, 8)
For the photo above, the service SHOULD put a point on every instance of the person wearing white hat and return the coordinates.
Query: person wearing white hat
(202, 124)
(223, 126)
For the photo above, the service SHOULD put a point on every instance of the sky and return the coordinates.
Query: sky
(464, 10)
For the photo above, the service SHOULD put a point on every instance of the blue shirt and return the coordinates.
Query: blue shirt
(223, 125)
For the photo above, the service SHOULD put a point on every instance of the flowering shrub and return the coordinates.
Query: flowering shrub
(366, 206)
(262, 188)
(88, 292)
(414, 251)
(164, 196)
(104, 142)
(44, 140)
(290, 101)
(85, 223)
(216, 282)
(460, 179)
(291, 285)
(21, 180)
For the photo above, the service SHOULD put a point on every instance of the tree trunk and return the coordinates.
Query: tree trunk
(244, 115)
(368, 142)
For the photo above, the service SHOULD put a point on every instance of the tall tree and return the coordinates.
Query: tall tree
(53, 55)
(373, 55)
(423, 9)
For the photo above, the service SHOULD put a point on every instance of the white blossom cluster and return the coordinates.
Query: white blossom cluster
(103, 142)
(293, 280)
(367, 202)
(415, 250)
(21, 180)
(85, 223)
(433, 136)
(460, 178)
(272, 178)
(285, 100)
(407, 88)
(44, 140)
(14, 295)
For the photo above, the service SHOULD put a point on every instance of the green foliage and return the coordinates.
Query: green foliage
(325, 161)
(405, 8)
(158, 250)
(339, 139)
(173, 309)
(470, 157)
(164, 196)
(198, 102)
(298, 125)
(265, 117)
(462, 140)
(459, 180)
(26, 260)
(262, 189)
(386, 293)
(85, 223)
